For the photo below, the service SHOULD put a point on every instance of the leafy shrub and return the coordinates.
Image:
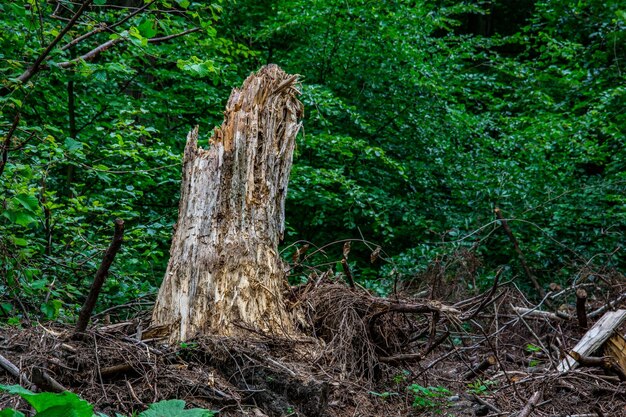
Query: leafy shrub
(67, 404)
(429, 398)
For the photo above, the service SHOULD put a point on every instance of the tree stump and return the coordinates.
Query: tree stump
(224, 272)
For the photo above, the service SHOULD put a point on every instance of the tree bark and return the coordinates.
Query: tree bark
(224, 269)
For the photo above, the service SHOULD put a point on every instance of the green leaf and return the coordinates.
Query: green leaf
(196, 66)
(174, 408)
(67, 403)
(72, 145)
(183, 3)
(18, 241)
(19, 217)
(51, 309)
(9, 412)
(29, 202)
(14, 321)
(66, 410)
(147, 28)
(100, 2)
(6, 308)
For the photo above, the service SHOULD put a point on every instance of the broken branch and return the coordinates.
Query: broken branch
(520, 254)
(15, 371)
(581, 313)
(109, 256)
(530, 405)
(4, 148)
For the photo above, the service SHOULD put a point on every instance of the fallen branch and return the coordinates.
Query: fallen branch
(407, 357)
(109, 256)
(490, 406)
(594, 338)
(428, 306)
(606, 363)
(608, 306)
(478, 370)
(116, 369)
(532, 312)
(43, 380)
(530, 405)
(520, 254)
(15, 371)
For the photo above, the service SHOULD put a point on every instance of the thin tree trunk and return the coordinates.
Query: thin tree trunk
(224, 271)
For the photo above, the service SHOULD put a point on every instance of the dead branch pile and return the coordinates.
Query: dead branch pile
(361, 331)
(494, 352)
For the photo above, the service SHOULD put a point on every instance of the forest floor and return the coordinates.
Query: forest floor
(492, 353)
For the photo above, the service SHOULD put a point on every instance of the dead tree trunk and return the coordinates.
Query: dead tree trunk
(224, 271)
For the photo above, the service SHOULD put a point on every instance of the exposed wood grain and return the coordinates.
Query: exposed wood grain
(594, 338)
(224, 266)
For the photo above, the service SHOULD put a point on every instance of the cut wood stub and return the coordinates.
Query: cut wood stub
(224, 267)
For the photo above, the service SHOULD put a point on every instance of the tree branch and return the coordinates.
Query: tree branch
(520, 254)
(91, 54)
(109, 44)
(4, 148)
(33, 69)
(103, 26)
(175, 35)
(109, 256)
(100, 28)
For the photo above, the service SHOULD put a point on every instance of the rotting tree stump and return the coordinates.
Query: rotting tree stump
(224, 272)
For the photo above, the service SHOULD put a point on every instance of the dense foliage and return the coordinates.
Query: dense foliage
(420, 120)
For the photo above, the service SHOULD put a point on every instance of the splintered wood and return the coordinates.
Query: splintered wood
(615, 347)
(224, 272)
(594, 338)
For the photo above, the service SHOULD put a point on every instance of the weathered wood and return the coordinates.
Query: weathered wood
(606, 362)
(224, 266)
(530, 405)
(615, 347)
(8, 366)
(532, 313)
(594, 338)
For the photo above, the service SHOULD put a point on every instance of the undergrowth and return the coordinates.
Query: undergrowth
(67, 404)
